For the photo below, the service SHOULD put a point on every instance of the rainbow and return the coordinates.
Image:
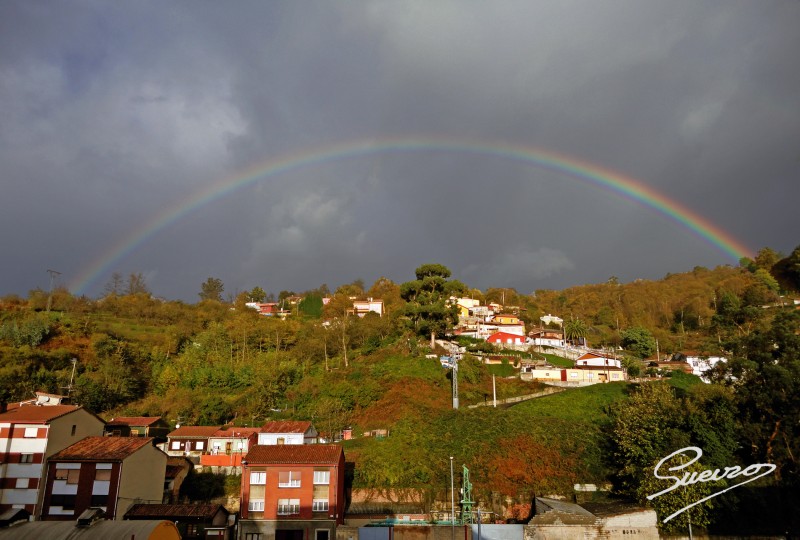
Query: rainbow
(607, 179)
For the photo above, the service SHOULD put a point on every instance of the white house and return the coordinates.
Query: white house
(701, 364)
(592, 358)
(288, 432)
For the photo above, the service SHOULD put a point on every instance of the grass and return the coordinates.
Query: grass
(558, 361)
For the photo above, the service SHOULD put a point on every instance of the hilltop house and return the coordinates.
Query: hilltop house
(190, 441)
(227, 446)
(593, 358)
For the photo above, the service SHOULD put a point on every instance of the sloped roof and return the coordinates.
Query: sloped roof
(237, 432)
(33, 414)
(169, 511)
(286, 426)
(193, 431)
(505, 335)
(100, 530)
(323, 454)
(103, 449)
(133, 420)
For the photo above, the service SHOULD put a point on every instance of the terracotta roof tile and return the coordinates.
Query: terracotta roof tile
(36, 414)
(294, 453)
(103, 449)
(133, 420)
(286, 426)
(237, 432)
(162, 511)
(193, 431)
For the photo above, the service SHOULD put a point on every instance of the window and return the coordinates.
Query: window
(281, 440)
(74, 429)
(176, 445)
(192, 530)
(134, 432)
(67, 502)
(322, 477)
(26, 458)
(31, 432)
(590, 376)
(70, 475)
(288, 507)
(319, 505)
(199, 445)
(102, 475)
(22, 483)
(289, 479)
(256, 505)
(573, 375)
(252, 536)
(100, 500)
(258, 477)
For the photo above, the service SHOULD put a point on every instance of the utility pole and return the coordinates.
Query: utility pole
(454, 375)
(53, 275)
(452, 502)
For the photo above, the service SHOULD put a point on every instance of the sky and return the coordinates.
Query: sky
(289, 144)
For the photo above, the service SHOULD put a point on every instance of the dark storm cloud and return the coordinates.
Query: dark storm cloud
(112, 115)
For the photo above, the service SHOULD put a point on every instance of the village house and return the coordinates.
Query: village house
(194, 521)
(370, 305)
(292, 492)
(287, 432)
(594, 358)
(504, 340)
(547, 337)
(228, 445)
(190, 441)
(103, 472)
(138, 426)
(510, 324)
(30, 434)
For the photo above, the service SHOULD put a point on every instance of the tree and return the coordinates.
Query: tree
(639, 341)
(765, 374)
(115, 286)
(212, 289)
(575, 330)
(426, 297)
(257, 295)
(137, 284)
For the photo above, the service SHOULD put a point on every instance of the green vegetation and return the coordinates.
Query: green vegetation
(214, 362)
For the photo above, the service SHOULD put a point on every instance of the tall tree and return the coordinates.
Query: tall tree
(639, 341)
(427, 298)
(137, 284)
(212, 289)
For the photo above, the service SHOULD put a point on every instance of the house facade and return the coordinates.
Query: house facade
(370, 305)
(546, 337)
(598, 360)
(287, 432)
(507, 341)
(292, 492)
(227, 446)
(190, 441)
(30, 434)
(106, 472)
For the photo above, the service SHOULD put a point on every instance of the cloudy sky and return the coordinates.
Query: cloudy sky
(290, 144)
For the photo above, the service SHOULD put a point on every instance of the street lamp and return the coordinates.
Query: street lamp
(452, 502)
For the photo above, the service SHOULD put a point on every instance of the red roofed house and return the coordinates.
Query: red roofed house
(193, 520)
(227, 446)
(292, 492)
(505, 340)
(190, 441)
(107, 472)
(597, 359)
(287, 432)
(30, 434)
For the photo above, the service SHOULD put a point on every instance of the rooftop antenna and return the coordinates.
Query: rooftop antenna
(53, 274)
